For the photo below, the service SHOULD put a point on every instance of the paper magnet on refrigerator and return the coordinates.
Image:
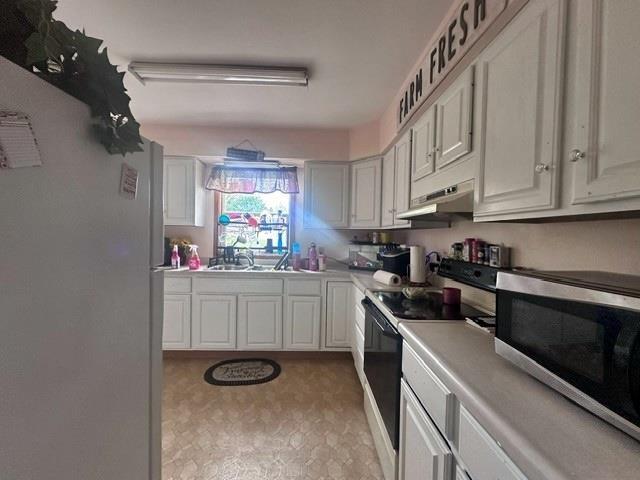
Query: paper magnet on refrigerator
(18, 144)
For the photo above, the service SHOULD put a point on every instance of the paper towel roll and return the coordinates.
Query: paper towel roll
(417, 264)
(387, 278)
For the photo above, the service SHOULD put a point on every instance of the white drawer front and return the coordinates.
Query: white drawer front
(482, 456)
(177, 284)
(304, 287)
(358, 296)
(359, 319)
(271, 286)
(432, 393)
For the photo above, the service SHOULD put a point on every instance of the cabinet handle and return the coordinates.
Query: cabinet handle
(542, 167)
(576, 155)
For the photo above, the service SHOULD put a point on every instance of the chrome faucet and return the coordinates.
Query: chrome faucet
(248, 256)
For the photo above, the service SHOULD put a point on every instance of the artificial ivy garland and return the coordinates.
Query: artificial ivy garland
(73, 61)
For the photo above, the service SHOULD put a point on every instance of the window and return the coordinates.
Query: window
(262, 220)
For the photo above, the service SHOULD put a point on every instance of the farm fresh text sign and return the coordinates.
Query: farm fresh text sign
(470, 20)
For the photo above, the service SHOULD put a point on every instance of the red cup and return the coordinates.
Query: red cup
(451, 296)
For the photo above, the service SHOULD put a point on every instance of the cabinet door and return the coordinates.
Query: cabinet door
(422, 453)
(259, 322)
(176, 332)
(302, 323)
(388, 187)
(423, 145)
(454, 109)
(326, 195)
(519, 96)
(339, 315)
(607, 164)
(402, 187)
(214, 322)
(179, 191)
(366, 182)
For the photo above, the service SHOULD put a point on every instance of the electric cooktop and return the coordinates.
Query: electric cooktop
(430, 308)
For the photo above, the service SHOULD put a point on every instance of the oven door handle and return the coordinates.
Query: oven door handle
(385, 326)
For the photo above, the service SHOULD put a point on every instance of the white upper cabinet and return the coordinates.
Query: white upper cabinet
(402, 186)
(604, 159)
(366, 186)
(388, 187)
(454, 114)
(519, 95)
(326, 195)
(259, 322)
(423, 144)
(184, 193)
(396, 182)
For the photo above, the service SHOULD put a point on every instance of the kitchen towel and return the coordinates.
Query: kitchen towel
(417, 264)
(387, 278)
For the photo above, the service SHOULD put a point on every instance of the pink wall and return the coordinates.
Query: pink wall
(364, 141)
(307, 144)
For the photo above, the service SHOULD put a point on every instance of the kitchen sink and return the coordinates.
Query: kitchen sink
(229, 267)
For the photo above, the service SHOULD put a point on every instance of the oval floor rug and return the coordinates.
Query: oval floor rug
(249, 371)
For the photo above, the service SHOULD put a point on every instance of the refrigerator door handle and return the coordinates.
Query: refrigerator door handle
(157, 205)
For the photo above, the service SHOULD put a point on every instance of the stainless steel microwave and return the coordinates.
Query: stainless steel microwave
(578, 332)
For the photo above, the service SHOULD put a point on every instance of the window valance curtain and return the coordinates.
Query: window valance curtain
(228, 179)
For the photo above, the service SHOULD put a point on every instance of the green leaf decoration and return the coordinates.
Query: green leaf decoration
(73, 61)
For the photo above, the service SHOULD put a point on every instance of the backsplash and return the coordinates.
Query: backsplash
(610, 245)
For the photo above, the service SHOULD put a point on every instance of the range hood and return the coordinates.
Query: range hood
(453, 200)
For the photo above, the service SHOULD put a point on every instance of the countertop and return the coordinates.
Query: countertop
(363, 280)
(545, 434)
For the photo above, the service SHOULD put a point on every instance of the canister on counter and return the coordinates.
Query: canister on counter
(467, 249)
(479, 248)
(499, 256)
(456, 250)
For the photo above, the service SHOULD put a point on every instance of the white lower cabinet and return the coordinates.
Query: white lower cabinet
(259, 322)
(339, 314)
(302, 323)
(214, 322)
(481, 454)
(176, 333)
(423, 454)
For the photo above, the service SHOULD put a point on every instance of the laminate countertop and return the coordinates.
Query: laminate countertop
(545, 434)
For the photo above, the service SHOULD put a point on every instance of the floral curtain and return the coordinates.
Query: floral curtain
(250, 180)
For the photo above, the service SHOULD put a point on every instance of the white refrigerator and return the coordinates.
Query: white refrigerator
(80, 299)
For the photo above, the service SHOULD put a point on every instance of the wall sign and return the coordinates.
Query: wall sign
(462, 30)
(128, 181)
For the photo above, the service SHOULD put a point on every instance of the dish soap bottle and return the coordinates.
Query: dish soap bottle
(194, 258)
(175, 258)
(313, 258)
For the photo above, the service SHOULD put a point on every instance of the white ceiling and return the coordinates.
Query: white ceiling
(358, 53)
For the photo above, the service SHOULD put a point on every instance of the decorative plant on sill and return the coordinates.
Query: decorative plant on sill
(73, 62)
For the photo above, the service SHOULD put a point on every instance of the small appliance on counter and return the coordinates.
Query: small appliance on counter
(578, 332)
(395, 260)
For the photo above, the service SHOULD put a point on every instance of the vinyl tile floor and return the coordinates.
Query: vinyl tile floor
(308, 424)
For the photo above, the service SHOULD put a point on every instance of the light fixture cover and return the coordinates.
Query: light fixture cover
(229, 74)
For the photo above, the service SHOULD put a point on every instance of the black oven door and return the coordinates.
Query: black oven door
(593, 347)
(383, 366)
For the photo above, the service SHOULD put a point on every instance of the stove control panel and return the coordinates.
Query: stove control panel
(476, 275)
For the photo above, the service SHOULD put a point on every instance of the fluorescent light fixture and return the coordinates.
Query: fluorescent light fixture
(230, 74)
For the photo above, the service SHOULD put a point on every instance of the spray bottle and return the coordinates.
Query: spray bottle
(175, 258)
(194, 258)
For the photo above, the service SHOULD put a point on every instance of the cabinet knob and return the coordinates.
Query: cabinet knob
(542, 167)
(576, 155)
